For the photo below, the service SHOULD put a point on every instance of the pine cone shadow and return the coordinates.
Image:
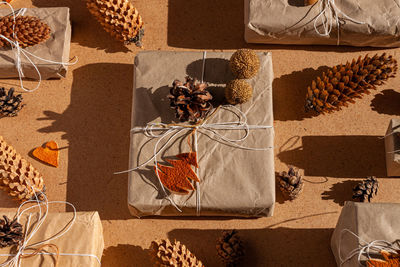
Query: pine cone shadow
(289, 94)
(387, 102)
(125, 255)
(340, 192)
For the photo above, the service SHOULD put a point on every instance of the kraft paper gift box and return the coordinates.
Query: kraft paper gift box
(233, 181)
(368, 222)
(392, 144)
(56, 48)
(83, 242)
(362, 23)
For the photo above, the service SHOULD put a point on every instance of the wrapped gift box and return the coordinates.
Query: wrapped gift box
(392, 143)
(233, 181)
(369, 221)
(56, 48)
(280, 22)
(85, 237)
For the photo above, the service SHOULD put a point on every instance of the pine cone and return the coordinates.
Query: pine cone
(230, 248)
(11, 232)
(366, 189)
(10, 104)
(119, 18)
(17, 176)
(28, 30)
(166, 254)
(290, 183)
(341, 84)
(191, 100)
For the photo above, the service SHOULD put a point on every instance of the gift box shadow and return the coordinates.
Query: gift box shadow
(279, 246)
(387, 102)
(338, 156)
(125, 255)
(97, 125)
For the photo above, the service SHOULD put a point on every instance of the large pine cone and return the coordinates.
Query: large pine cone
(29, 30)
(230, 248)
(17, 176)
(341, 84)
(11, 232)
(10, 104)
(366, 189)
(166, 254)
(119, 18)
(291, 183)
(191, 100)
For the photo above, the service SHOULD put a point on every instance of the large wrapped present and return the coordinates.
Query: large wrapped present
(79, 242)
(365, 228)
(392, 148)
(345, 22)
(236, 178)
(50, 57)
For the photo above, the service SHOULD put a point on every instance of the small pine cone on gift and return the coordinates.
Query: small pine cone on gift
(290, 183)
(17, 176)
(191, 100)
(167, 254)
(341, 84)
(119, 18)
(28, 30)
(366, 189)
(10, 104)
(11, 232)
(230, 248)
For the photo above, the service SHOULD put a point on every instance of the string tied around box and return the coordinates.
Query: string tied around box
(168, 132)
(38, 247)
(20, 52)
(365, 248)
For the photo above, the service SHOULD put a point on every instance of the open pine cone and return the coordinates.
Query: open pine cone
(341, 84)
(10, 104)
(191, 100)
(230, 248)
(366, 189)
(11, 232)
(167, 254)
(29, 30)
(290, 183)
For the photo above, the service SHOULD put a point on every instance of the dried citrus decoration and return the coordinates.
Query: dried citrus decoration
(176, 177)
(390, 260)
(48, 153)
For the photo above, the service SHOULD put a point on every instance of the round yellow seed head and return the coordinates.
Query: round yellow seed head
(244, 63)
(238, 91)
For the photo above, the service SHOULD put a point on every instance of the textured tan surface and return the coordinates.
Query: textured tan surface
(88, 114)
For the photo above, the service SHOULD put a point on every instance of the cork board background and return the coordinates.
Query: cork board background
(88, 114)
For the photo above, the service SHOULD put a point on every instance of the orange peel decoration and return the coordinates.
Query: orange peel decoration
(176, 177)
(390, 260)
(48, 154)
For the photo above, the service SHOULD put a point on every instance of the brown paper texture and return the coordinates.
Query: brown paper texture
(392, 143)
(278, 22)
(56, 48)
(370, 221)
(85, 237)
(234, 182)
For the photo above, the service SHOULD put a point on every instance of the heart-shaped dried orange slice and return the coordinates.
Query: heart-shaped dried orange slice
(48, 153)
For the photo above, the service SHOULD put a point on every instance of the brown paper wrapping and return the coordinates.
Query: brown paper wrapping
(369, 221)
(392, 143)
(56, 48)
(85, 237)
(279, 22)
(234, 182)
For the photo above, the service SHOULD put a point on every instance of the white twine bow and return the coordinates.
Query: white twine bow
(18, 51)
(43, 206)
(365, 248)
(329, 15)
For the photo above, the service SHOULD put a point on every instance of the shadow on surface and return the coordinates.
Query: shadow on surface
(338, 156)
(386, 102)
(97, 125)
(125, 255)
(340, 192)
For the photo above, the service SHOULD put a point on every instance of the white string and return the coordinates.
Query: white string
(328, 16)
(375, 245)
(196, 149)
(18, 51)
